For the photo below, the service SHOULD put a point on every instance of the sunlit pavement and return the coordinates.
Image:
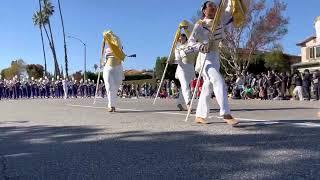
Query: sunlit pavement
(74, 139)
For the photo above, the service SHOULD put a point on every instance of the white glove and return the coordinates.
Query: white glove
(102, 64)
(187, 51)
(204, 48)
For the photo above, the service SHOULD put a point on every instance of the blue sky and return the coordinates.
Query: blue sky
(145, 27)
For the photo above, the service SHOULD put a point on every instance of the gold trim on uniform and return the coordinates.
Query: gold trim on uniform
(113, 62)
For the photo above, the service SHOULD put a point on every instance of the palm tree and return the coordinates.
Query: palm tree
(61, 73)
(64, 41)
(46, 13)
(36, 21)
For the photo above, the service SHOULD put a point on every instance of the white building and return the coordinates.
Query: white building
(310, 51)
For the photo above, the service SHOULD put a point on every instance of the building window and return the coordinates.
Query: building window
(318, 52)
(311, 53)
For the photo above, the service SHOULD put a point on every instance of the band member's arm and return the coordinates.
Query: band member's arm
(102, 53)
(195, 36)
(177, 54)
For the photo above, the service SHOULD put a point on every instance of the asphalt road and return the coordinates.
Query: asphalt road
(74, 139)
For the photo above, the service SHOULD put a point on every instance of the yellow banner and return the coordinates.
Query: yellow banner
(238, 12)
(114, 44)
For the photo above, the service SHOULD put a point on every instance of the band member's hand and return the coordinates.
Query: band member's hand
(204, 48)
(102, 65)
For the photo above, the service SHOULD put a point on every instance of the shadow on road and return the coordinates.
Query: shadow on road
(41, 152)
(265, 109)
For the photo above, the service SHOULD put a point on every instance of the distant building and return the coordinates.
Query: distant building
(310, 51)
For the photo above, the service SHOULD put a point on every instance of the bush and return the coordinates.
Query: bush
(138, 77)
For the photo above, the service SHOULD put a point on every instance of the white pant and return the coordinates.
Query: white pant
(184, 73)
(298, 91)
(213, 80)
(65, 90)
(112, 78)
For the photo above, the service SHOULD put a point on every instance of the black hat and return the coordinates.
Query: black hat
(204, 5)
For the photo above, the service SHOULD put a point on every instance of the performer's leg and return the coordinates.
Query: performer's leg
(185, 76)
(212, 74)
(114, 81)
(185, 89)
(317, 86)
(107, 81)
(118, 76)
(65, 90)
(220, 90)
(300, 94)
(189, 74)
(295, 92)
(180, 99)
(204, 100)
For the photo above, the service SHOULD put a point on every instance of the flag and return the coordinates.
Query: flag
(114, 44)
(187, 27)
(217, 17)
(239, 11)
(175, 41)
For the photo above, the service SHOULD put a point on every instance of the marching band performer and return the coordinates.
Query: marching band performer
(113, 70)
(185, 71)
(65, 87)
(207, 42)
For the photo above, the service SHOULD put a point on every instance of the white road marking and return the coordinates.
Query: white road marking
(97, 107)
(308, 124)
(259, 121)
(169, 113)
(172, 113)
(93, 107)
(17, 155)
(241, 119)
(133, 110)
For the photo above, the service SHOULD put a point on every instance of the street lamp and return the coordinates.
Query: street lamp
(85, 55)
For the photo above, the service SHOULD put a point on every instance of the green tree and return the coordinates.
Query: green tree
(160, 66)
(17, 68)
(265, 25)
(92, 76)
(137, 77)
(257, 65)
(42, 18)
(277, 61)
(77, 76)
(37, 18)
(35, 70)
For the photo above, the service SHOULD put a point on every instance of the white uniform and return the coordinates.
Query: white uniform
(184, 73)
(113, 76)
(211, 75)
(65, 88)
(298, 91)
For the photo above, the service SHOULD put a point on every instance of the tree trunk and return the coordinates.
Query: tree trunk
(64, 41)
(43, 49)
(44, 53)
(56, 65)
(53, 52)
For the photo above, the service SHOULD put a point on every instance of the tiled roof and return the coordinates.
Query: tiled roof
(306, 40)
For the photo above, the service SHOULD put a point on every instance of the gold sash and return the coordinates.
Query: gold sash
(111, 61)
(114, 44)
